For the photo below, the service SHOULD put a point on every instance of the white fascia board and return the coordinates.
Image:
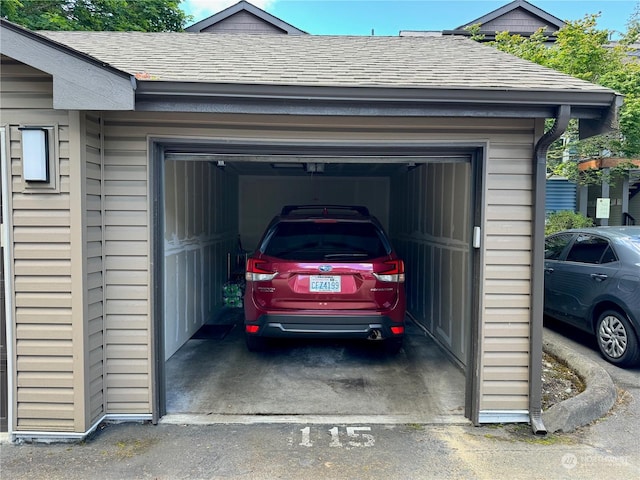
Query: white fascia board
(78, 84)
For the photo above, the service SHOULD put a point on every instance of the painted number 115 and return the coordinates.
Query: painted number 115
(354, 436)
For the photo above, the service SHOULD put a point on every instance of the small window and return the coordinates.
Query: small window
(588, 249)
(555, 245)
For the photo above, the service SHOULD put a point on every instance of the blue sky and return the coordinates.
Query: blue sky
(384, 17)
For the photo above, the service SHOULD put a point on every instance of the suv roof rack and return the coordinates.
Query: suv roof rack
(287, 209)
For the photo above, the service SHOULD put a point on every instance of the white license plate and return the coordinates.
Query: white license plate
(325, 283)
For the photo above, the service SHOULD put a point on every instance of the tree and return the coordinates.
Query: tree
(585, 52)
(106, 15)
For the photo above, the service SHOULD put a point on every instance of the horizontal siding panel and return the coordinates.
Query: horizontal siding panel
(126, 172)
(95, 341)
(508, 227)
(509, 182)
(508, 242)
(506, 344)
(45, 411)
(126, 307)
(42, 201)
(126, 263)
(505, 359)
(126, 233)
(504, 402)
(44, 267)
(509, 197)
(507, 258)
(119, 248)
(128, 352)
(94, 279)
(127, 337)
(22, 101)
(127, 366)
(127, 292)
(506, 301)
(42, 363)
(41, 234)
(508, 212)
(41, 251)
(127, 218)
(95, 310)
(511, 166)
(140, 382)
(43, 284)
(41, 218)
(34, 331)
(127, 395)
(50, 395)
(45, 425)
(496, 271)
(507, 316)
(507, 330)
(60, 348)
(123, 277)
(505, 387)
(125, 203)
(123, 322)
(43, 315)
(507, 286)
(122, 187)
(50, 379)
(43, 300)
(512, 373)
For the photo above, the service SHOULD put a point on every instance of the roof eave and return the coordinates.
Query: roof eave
(596, 107)
(80, 82)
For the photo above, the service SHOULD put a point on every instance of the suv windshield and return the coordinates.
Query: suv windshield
(319, 240)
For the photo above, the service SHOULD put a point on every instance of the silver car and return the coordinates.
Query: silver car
(592, 281)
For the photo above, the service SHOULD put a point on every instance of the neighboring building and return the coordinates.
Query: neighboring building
(517, 17)
(244, 17)
(163, 148)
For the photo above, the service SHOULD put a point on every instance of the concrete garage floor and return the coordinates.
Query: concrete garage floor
(213, 378)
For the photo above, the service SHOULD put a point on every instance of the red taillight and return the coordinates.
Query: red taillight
(394, 272)
(397, 330)
(256, 271)
(252, 328)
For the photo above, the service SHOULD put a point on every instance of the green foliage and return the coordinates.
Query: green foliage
(564, 220)
(98, 15)
(585, 52)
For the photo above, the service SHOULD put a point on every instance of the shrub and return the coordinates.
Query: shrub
(564, 220)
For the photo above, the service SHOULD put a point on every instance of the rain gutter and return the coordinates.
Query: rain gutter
(562, 118)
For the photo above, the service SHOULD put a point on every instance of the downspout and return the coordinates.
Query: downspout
(537, 287)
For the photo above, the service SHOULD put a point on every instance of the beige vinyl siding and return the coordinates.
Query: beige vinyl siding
(94, 291)
(507, 276)
(41, 256)
(126, 256)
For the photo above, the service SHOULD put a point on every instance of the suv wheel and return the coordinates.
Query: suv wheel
(255, 344)
(392, 345)
(617, 341)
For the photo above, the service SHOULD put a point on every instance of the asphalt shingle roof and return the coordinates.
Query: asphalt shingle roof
(308, 60)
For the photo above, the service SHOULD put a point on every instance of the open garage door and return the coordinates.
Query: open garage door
(216, 205)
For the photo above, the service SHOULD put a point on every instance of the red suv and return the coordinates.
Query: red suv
(325, 272)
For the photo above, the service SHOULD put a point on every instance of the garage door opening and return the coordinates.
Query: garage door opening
(212, 208)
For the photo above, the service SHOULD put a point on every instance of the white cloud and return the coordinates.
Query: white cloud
(201, 9)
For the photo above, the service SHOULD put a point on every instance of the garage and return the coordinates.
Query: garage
(434, 188)
(157, 152)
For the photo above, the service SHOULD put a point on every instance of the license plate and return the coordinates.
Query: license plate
(325, 283)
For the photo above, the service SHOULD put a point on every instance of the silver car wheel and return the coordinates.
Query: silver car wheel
(612, 336)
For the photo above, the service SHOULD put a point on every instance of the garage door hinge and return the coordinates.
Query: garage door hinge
(477, 236)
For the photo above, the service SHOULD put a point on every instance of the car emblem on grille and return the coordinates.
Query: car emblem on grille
(325, 268)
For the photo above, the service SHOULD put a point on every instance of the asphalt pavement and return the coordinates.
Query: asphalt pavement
(605, 448)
